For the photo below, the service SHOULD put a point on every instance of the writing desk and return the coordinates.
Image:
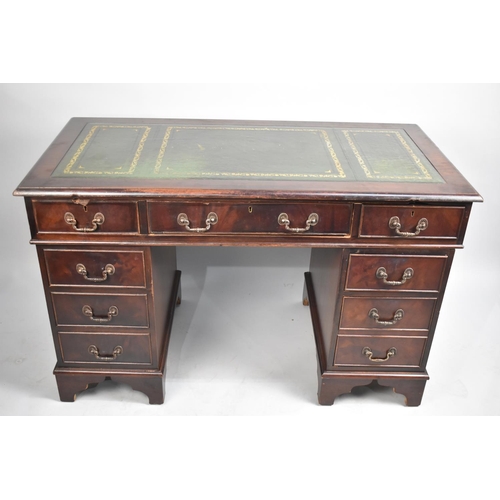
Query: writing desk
(378, 204)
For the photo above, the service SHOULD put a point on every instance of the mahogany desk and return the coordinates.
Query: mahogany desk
(378, 204)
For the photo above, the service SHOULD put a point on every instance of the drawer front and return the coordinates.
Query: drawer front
(379, 352)
(105, 349)
(100, 310)
(328, 218)
(395, 273)
(102, 268)
(95, 218)
(392, 314)
(383, 222)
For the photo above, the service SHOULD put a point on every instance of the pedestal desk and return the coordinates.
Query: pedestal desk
(378, 204)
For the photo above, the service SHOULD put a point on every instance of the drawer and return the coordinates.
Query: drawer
(393, 314)
(95, 218)
(95, 268)
(105, 349)
(100, 310)
(324, 218)
(395, 272)
(407, 222)
(379, 352)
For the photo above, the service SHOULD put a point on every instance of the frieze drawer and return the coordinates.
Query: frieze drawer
(105, 349)
(90, 218)
(194, 218)
(394, 314)
(396, 273)
(95, 268)
(379, 352)
(410, 222)
(100, 309)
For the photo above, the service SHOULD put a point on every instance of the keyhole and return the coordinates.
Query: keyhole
(250, 209)
(413, 213)
(82, 203)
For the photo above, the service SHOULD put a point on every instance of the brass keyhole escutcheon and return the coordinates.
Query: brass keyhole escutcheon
(250, 209)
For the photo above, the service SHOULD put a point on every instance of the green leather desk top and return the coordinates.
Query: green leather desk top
(221, 158)
(228, 152)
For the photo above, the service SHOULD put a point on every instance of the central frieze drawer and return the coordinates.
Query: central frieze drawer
(410, 222)
(93, 218)
(394, 314)
(308, 218)
(105, 349)
(95, 268)
(395, 272)
(100, 310)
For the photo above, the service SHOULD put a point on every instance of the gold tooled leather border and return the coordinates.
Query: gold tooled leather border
(365, 167)
(327, 175)
(69, 167)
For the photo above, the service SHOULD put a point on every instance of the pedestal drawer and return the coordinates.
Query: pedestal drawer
(308, 218)
(100, 309)
(93, 218)
(95, 268)
(379, 352)
(393, 314)
(416, 222)
(105, 348)
(396, 272)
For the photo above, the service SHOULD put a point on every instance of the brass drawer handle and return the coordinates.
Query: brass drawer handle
(395, 224)
(398, 315)
(312, 220)
(108, 270)
(182, 220)
(112, 311)
(116, 352)
(389, 354)
(382, 275)
(98, 219)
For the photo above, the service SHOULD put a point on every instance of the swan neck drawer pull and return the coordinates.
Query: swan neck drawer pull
(312, 220)
(395, 224)
(108, 270)
(369, 354)
(112, 311)
(381, 274)
(212, 219)
(98, 219)
(398, 316)
(110, 357)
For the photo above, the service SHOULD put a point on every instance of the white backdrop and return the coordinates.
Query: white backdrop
(234, 366)
(365, 440)
(464, 365)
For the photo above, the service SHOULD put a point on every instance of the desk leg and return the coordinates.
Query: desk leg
(305, 296)
(72, 382)
(333, 384)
